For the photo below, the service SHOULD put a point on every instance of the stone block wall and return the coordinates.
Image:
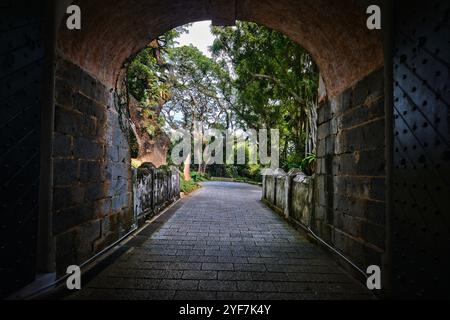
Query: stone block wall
(343, 204)
(269, 188)
(92, 200)
(301, 199)
(154, 189)
(280, 196)
(290, 194)
(349, 211)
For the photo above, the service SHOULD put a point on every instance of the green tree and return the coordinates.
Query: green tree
(147, 83)
(196, 94)
(276, 84)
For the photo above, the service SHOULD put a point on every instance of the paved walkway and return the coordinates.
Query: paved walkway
(223, 243)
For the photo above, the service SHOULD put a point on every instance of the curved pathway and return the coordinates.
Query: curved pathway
(223, 243)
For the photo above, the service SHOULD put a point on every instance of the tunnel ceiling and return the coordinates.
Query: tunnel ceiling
(334, 32)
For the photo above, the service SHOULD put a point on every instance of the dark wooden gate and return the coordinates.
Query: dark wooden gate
(421, 215)
(21, 74)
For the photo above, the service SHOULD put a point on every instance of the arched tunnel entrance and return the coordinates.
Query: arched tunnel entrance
(88, 203)
(91, 154)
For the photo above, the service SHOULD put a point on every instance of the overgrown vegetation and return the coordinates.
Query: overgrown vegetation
(187, 186)
(276, 84)
(193, 184)
(257, 78)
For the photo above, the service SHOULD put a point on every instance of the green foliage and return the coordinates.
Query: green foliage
(134, 146)
(258, 78)
(275, 80)
(147, 79)
(200, 177)
(195, 94)
(188, 186)
(308, 163)
(142, 77)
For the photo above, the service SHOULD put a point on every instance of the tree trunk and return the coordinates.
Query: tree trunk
(187, 168)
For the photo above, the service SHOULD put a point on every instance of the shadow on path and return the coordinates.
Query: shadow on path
(222, 243)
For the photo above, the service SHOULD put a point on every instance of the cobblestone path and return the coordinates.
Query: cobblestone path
(223, 243)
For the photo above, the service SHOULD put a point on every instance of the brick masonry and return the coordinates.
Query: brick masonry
(345, 204)
(344, 51)
(349, 211)
(93, 205)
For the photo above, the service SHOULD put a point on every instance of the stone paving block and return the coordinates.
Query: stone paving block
(196, 295)
(160, 294)
(256, 286)
(203, 259)
(217, 285)
(232, 259)
(318, 277)
(158, 274)
(216, 249)
(269, 276)
(209, 252)
(178, 284)
(145, 284)
(190, 252)
(234, 275)
(199, 275)
(217, 266)
(285, 296)
(237, 296)
(249, 267)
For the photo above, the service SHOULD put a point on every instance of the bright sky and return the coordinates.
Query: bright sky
(199, 36)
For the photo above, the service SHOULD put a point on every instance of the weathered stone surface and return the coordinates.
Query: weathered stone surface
(280, 198)
(154, 189)
(349, 185)
(331, 31)
(350, 169)
(92, 170)
(62, 145)
(65, 171)
(291, 193)
(302, 199)
(229, 249)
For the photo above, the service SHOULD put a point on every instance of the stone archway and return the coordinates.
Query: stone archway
(334, 33)
(92, 202)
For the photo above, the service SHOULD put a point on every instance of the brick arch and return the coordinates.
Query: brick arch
(333, 32)
(93, 184)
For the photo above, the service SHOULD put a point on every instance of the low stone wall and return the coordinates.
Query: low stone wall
(153, 190)
(92, 180)
(344, 205)
(290, 194)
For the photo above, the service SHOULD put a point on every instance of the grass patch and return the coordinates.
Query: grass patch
(135, 163)
(188, 186)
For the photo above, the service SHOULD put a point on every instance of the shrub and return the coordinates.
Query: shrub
(188, 186)
(199, 177)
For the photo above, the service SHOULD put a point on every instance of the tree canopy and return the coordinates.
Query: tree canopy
(257, 78)
(276, 83)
